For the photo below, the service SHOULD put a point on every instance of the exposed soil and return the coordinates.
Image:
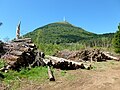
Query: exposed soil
(108, 79)
(104, 76)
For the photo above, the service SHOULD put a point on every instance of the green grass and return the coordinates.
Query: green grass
(35, 74)
(14, 79)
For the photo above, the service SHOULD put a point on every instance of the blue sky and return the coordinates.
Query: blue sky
(98, 16)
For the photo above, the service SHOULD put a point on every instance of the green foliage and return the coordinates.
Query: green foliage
(60, 32)
(37, 74)
(116, 41)
(51, 49)
(63, 35)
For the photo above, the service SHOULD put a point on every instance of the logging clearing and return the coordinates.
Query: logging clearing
(24, 53)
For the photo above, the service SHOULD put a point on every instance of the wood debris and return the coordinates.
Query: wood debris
(22, 53)
(86, 55)
(65, 64)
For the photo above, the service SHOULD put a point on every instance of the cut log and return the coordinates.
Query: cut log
(23, 40)
(5, 68)
(46, 61)
(50, 74)
(64, 63)
(10, 57)
(56, 59)
(25, 49)
(111, 57)
(31, 44)
(14, 52)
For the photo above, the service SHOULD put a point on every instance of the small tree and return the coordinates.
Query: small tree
(1, 23)
(116, 40)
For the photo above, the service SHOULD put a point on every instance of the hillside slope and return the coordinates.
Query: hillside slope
(59, 32)
(62, 33)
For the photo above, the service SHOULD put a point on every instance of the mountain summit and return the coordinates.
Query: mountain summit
(59, 32)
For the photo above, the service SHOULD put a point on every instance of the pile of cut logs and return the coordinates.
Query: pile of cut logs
(21, 53)
(24, 53)
(65, 64)
(86, 55)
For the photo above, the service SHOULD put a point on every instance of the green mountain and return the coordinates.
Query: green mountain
(59, 32)
(63, 35)
(64, 32)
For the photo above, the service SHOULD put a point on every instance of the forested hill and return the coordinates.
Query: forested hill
(64, 32)
(59, 32)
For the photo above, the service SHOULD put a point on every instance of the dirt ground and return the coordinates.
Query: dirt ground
(103, 76)
(108, 80)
